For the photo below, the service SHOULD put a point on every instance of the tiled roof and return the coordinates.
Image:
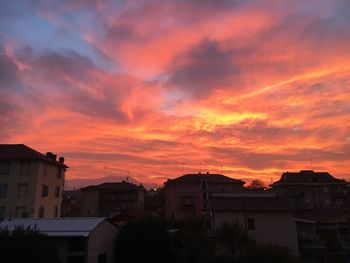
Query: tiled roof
(189, 179)
(258, 204)
(23, 152)
(115, 186)
(73, 226)
(307, 177)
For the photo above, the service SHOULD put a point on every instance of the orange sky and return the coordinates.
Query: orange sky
(155, 89)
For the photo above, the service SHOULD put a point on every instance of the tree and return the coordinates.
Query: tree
(143, 240)
(190, 241)
(254, 253)
(256, 184)
(26, 246)
(232, 236)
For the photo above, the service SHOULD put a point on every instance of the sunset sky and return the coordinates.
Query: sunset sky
(155, 89)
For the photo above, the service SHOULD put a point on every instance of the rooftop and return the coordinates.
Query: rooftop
(189, 179)
(57, 227)
(114, 186)
(307, 177)
(23, 152)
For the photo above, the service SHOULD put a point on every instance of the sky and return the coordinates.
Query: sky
(155, 89)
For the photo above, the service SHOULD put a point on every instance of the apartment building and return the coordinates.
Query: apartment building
(308, 189)
(31, 183)
(110, 199)
(188, 196)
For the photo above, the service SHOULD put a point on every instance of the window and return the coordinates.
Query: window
(3, 190)
(2, 212)
(4, 167)
(44, 190)
(25, 168)
(22, 190)
(55, 211)
(251, 223)
(57, 191)
(41, 212)
(20, 211)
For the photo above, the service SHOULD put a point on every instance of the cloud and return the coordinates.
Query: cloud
(203, 69)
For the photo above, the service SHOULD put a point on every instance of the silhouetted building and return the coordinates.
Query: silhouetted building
(266, 218)
(71, 203)
(78, 240)
(308, 189)
(109, 199)
(188, 196)
(31, 183)
(324, 231)
(155, 201)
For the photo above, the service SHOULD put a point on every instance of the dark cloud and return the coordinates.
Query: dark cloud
(121, 32)
(68, 63)
(66, 71)
(9, 74)
(11, 87)
(204, 68)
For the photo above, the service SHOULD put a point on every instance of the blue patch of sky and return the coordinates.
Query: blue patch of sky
(43, 35)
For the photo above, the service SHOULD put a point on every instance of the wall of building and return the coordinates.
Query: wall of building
(90, 202)
(315, 195)
(179, 199)
(12, 179)
(48, 174)
(177, 196)
(276, 228)
(101, 240)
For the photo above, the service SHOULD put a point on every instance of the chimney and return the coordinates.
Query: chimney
(61, 159)
(50, 156)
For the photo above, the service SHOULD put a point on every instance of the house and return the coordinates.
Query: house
(31, 183)
(109, 199)
(78, 240)
(266, 218)
(188, 196)
(308, 189)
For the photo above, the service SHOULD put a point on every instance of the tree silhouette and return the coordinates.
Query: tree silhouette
(26, 246)
(144, 240)
(256, 184)
(232, 236)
